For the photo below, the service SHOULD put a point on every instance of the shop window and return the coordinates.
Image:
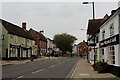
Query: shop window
(112, 55)
(13, 52)
(112, 29)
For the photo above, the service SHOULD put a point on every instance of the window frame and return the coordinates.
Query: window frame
(1, 37)
(111, 29)
(103, 34)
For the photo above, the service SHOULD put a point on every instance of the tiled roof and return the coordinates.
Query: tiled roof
(41, 36)
(98, 23)
(82, 43)
(93, 26)
(15, 30)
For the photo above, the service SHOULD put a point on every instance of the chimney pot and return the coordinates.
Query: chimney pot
(24, 25)
(113, 11)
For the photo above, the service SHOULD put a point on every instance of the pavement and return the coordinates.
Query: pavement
(12, 62)
(84, 71)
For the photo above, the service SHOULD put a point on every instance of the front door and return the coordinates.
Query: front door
(6, 53)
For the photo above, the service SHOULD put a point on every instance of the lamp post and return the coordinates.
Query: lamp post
(93, 25)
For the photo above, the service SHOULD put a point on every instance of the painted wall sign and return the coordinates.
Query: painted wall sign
(110, 41)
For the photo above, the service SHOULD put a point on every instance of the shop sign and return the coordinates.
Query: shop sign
(110, 41)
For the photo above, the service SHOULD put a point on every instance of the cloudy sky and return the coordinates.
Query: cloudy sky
(55, 17)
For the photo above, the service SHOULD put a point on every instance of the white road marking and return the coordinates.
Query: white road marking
(37, 71)
(84, 74)
(18, 78)
(51, 66)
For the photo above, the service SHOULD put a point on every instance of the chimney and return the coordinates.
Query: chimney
(113, 11)
(24, 25)
(106, 16)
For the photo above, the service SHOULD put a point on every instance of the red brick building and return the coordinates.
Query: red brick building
(82, 49)
(41, 41)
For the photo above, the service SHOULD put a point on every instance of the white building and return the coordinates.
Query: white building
(50, 45)
(93, 28)
(109, 46)
(74, 50)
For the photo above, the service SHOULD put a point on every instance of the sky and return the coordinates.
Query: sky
(55, 17)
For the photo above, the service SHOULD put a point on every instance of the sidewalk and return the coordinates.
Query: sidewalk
(11, 62)
(85, 71)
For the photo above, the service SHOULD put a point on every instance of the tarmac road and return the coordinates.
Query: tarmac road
(51, 68)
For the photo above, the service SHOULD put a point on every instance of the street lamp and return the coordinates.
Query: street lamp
(93, 24)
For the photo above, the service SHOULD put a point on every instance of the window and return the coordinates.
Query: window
(112, 29)
(102, 55)
(1, 37)
(97, 39)
(11, 36)
(112, 54)
(103, 34)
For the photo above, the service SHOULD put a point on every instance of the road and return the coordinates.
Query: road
(51, 68)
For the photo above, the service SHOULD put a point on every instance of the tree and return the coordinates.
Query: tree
(64, 41)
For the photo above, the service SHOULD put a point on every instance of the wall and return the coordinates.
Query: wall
(0, 40)
(114, 19)
(21, 41)
(5, 41)
(117, 55)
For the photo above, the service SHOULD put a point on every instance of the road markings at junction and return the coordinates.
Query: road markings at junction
(37, 71)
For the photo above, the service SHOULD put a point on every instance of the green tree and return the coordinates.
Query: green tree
(64, 41)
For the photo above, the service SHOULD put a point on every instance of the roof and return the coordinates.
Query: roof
(50, 39)
(16, 30)
(83, 43)
(93, 26)
(41, 36)
(112, 13)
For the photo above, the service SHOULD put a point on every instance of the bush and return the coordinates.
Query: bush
(101, 67)
(96, 66)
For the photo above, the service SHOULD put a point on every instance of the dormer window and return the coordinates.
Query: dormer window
(112, 29)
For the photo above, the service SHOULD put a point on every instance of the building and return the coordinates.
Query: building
(50, 45)
(41, 41)
(1, 38)
(93, 34)
(74, 49)
(82, 49)
(109, 39)
(16, 42)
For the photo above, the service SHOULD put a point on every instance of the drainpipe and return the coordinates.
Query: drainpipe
(119, 27)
